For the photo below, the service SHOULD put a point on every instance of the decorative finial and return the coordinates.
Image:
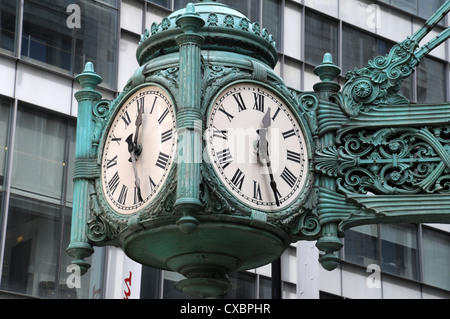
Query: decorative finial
(327, 71)
(190, 21)
(89, 79)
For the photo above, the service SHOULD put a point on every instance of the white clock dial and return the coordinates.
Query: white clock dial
(257, 147)
(139, 149)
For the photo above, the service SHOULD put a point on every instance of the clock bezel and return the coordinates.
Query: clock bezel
(156, 204)
(233, 200)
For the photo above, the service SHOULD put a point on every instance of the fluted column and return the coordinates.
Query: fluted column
(189, 120)
(85, 163)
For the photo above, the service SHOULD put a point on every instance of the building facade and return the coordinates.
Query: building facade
(44, 44)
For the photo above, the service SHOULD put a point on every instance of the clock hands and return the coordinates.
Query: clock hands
(135, 150)
(138, 123)
(263, 152)
(132, 149)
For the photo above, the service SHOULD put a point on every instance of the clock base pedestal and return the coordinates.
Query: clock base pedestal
(218, 246)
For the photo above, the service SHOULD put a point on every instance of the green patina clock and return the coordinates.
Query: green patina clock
(139, 147)
(257, 146)
(275, 165)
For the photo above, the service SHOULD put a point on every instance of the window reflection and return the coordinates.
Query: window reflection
(8, 9)
(321, 36)
(436, 258)
(47, 38)
(32, 247)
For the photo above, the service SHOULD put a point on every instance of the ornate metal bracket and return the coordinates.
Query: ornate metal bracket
(380, 159)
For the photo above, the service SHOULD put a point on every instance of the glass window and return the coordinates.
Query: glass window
(179, 4)
(360, 47)
(4, 129)
(150, 279)
(406, 5)
(321, 36)
(431, 81)
(399, 250)
(96, 41)
(265, 287)
(39, 154)
(46, 37)
(271, 19)
(428, 7)
(163, 3)
(244, 286)
(8, 9)
(361, 245)
(32, 248)
(436, 258)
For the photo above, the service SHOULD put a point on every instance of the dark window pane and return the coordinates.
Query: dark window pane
(150, 287)
(431, 81)
(321, 36)
(436, 258)
(361, 245)
(243, 286)
(428, 7)
(399, 250)
(8, 9)
(46, 37)
(39, 154)
(32, 247)
(406, 5)
(272, 19)
(96, 41)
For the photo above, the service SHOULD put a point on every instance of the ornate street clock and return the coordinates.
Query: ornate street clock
(257, 146)
(139, 149)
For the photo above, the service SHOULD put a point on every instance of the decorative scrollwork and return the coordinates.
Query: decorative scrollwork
(378, 83)
(391, 161)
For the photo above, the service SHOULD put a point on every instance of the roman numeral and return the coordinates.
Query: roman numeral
(114, 182)
(137, 195)
(256, 190)
(153, 106)
(163, 116)
(229, 116)
(152, 184)
(239, 101)
(111, 163)
(162, 161)
(238, 179)
(276, 114)
(166, 136)
(116, 139)
(123, 195)
(288, 177)
(294, 157)
(225, 158)
(219, 133)
(259, 102)
(140, 104)
(288, 134)
(126, 119)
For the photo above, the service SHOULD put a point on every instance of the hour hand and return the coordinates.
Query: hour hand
(132, 150)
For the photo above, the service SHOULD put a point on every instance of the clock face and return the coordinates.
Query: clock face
(139, 149)
(257, 147)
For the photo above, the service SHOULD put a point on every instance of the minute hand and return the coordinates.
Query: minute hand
(263, 152)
